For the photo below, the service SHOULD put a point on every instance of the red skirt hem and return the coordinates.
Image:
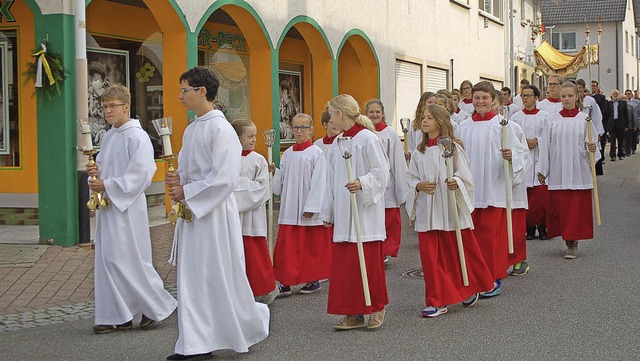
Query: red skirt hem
(302, 254)
(346, 293)
(442, 271)
(393, 224)
(538, 198)
(258, 265)
(570, 214)
(491, 232)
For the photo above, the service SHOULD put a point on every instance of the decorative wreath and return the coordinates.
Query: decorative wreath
(50, 64)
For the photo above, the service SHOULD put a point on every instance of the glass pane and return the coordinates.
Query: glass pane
(9, 122)
(569, 41)
(555, 40)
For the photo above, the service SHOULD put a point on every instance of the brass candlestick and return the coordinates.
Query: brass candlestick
(96, 199)
(178, 210)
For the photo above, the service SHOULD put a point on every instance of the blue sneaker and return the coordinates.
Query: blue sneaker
(310, 287)
(497, 290)
(283, 290)
(434, 311)
(471, 300)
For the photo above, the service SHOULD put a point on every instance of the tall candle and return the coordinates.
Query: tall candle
(166, 140)
(85, 130)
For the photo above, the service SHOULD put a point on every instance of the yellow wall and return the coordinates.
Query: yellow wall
(23, 179)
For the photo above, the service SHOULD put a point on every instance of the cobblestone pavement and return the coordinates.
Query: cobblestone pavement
(58, 286)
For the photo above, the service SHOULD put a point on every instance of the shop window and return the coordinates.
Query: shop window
(135, 64)
(227, 54)
(9, 80)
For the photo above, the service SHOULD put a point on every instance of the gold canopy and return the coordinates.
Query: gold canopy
(551, 61)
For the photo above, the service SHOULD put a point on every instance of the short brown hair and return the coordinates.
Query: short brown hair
(117, 92)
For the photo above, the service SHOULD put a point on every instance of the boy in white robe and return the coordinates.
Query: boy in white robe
(303, 247)
(126, 283)
(216, 308)
(552, 103)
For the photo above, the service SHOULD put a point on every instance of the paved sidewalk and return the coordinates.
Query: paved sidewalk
(62, 276)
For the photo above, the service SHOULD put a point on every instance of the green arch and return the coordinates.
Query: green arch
(309, 20)
(350, 33)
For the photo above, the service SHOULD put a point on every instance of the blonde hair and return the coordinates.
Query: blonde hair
(573, 86)
(117, 92)
(420, 109)
(375, 101)
(239, 125)
(303, 116)
(443, 120)
(346, 104)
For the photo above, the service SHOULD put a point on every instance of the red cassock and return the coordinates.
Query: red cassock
(393, 225)
(302, 254)
(519, 224)
(346, 294)
(491, 232)
(538, 197)
(570, 214)
(441, 267)
(258, 265)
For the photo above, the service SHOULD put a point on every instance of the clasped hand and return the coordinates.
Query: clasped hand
(176, 191)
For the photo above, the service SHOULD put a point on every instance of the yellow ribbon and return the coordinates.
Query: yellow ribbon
(45, 65)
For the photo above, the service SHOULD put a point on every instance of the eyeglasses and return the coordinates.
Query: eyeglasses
(527, 95)
(185, 90)
(555, 84)
(110, 106)
(300, 128)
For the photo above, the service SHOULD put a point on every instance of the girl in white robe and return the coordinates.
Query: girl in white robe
(466, 103)
(371, 175)
(460, 114)
(415, 129)
(552, 103)
(566, 168)
(326, 143)
(434, 219)
(126, 283)
(252, 192)
(303, 247)
(481, 136)
(397, 189)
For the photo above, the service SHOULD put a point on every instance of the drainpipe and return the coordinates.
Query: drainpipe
(82, 110)
(618, 55)
(511, 45)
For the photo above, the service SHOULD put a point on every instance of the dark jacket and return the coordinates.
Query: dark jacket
(623, 119)
(605, 108)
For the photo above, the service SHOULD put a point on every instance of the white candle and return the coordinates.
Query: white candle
(166, 143)
(86, 137)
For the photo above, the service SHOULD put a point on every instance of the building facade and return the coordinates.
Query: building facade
(274, 58)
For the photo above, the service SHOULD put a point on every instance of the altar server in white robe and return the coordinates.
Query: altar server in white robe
(509, 107)
(552, 103)
(216, 308)
(565, 167)
(596, 112)
(434, 219)
(397, 189)
(252, 192)
(466, 103)
(519, 203)
(126, 284)
(415, 129)
(326, 143)
(460, 114)
(371, 175)
(481, 136)
(446, 102)
(303, 248)
(532, 121)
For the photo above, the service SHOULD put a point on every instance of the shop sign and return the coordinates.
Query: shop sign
(224, 40)
(5, 12)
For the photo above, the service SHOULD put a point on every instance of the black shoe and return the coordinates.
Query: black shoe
(201, 356)
(531, 232)
(542, 232)
(613, 159)
(621, 157)
(102, 329)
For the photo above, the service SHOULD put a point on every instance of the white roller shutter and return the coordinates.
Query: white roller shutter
(436, 79)
(496, 84)
(408, 91)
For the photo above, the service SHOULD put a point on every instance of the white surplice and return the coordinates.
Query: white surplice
(126, 283)
(433, 212)
(397, 191)
(301, 181)
(468, 108)
(414, 137)
(482, 143)
(216, 308)
(596, 114)
(564, 156)
(519, 198)
(549, 107)
(370, 165)
(459, 116)
(252, 192)
(533, 127)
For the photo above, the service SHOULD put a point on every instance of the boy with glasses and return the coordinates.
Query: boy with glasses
(126, 284)
(303, 247)
(552, 103)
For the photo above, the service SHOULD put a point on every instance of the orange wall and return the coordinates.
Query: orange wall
(23, 179)
(357, 71)
(132, 22)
